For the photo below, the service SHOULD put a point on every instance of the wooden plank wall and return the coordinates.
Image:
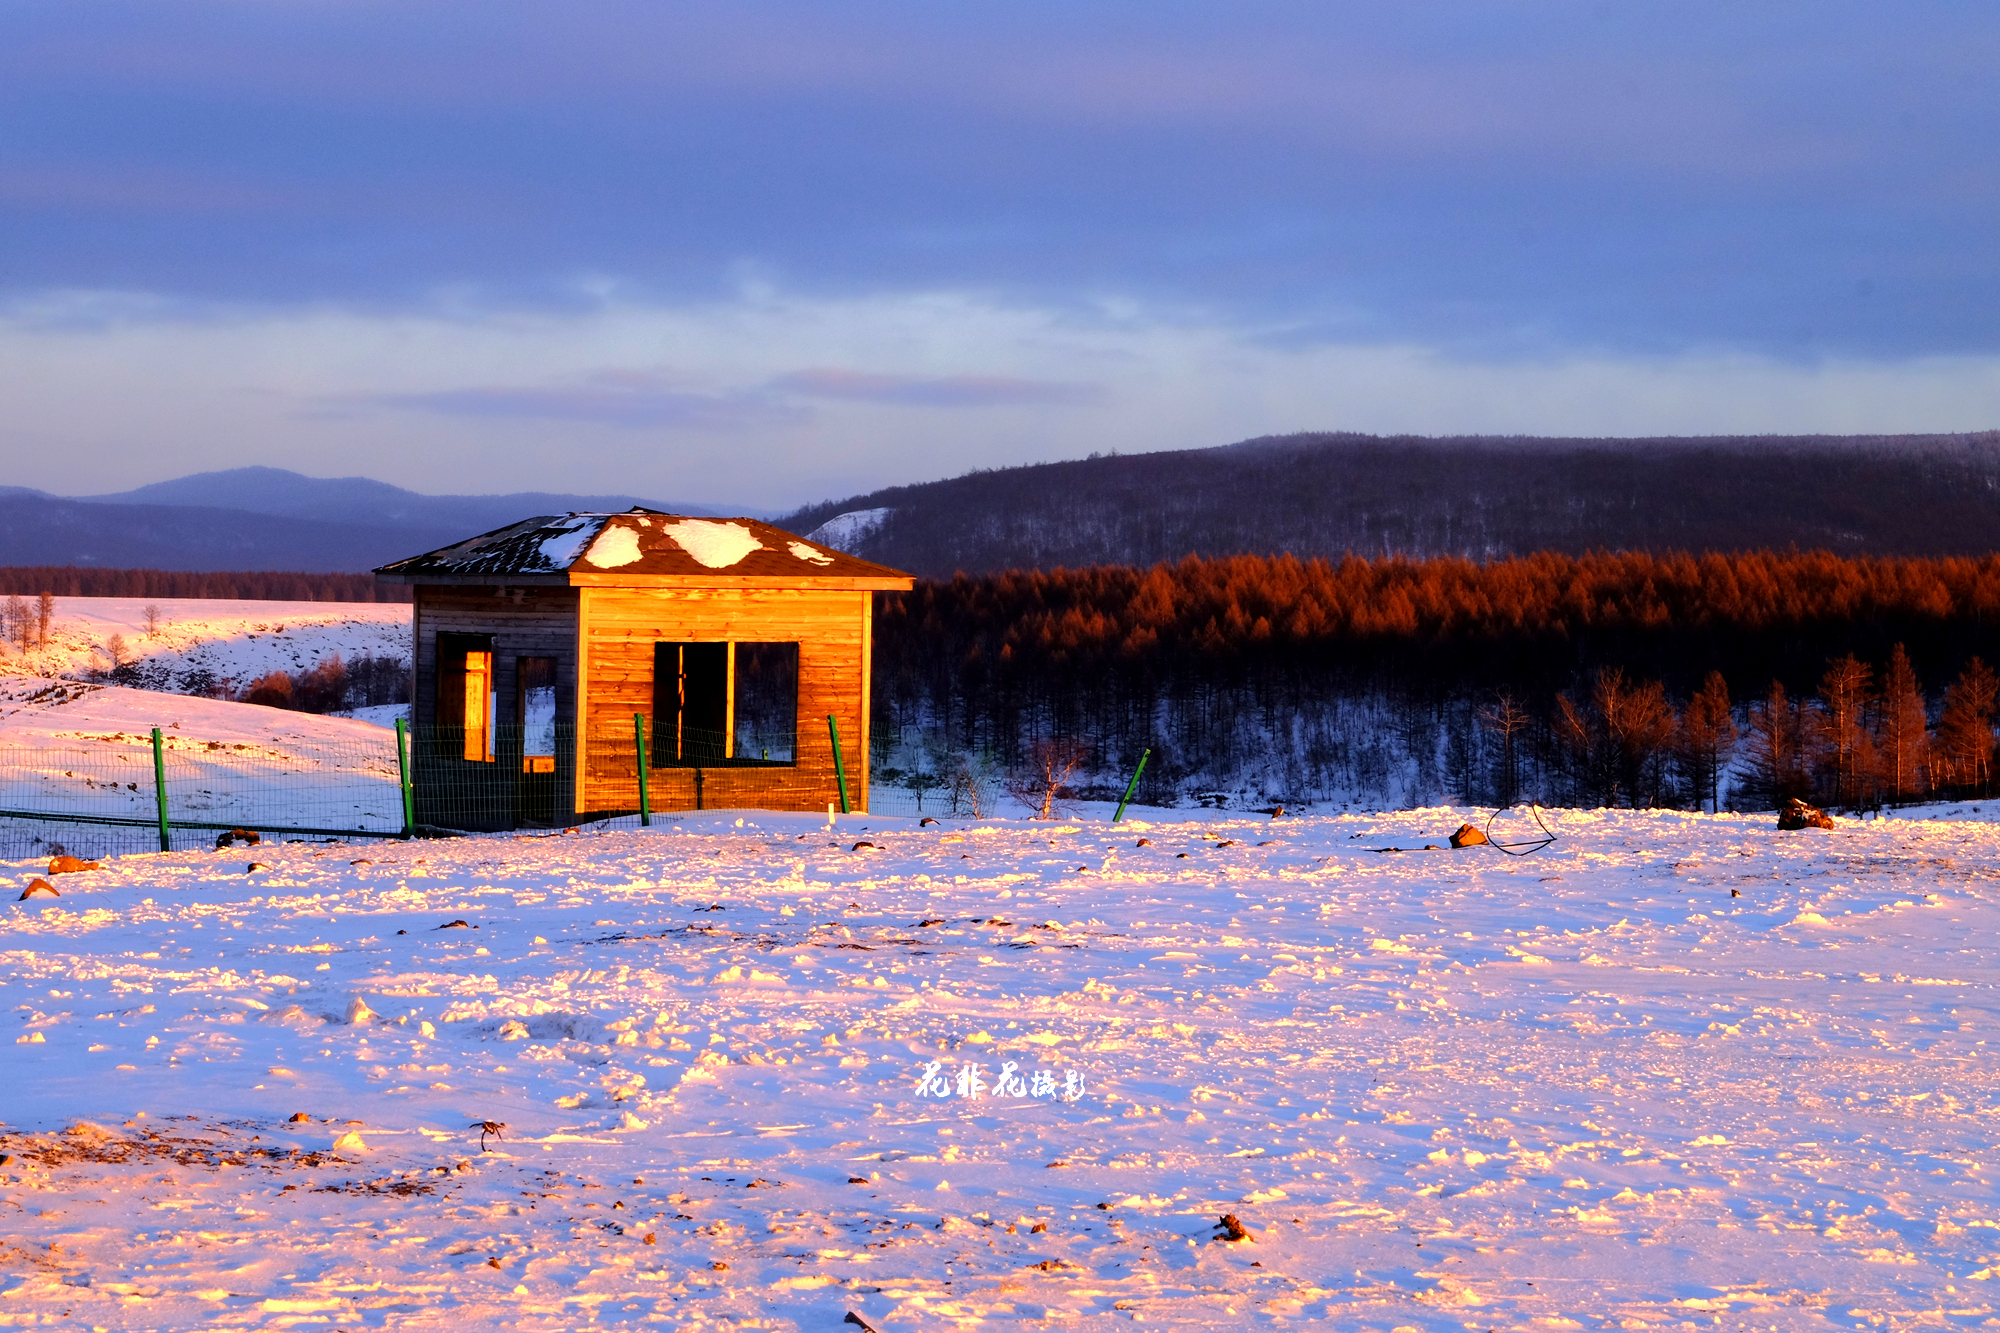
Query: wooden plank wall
(541, 623)
(831, 627)
(530, 622)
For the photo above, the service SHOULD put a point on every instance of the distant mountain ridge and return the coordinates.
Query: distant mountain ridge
(364, 501)
(261, 518)
(1480, 497)
(1312, 495)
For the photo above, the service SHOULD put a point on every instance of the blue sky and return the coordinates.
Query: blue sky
(763, 253)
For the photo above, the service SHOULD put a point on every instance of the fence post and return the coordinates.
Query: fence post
(403, 777)
(1131, 786)
(839, 765)
(645, 791)
(160, 787)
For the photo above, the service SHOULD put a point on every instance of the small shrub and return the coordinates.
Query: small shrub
(969, 785)
(273, 691)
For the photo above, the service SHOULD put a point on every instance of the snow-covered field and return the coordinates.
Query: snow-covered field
(1676, 1071)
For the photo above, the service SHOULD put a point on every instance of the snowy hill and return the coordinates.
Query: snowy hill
(201, 642)
(1329, 494)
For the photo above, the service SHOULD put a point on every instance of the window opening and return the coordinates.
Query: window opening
(724, 704)
(465, 694)
(537, 693)
(766, 722)
(690, 704)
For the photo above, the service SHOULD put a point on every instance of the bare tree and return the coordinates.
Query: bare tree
(919, 778)
(1049, 767)
(45, 614)
(1509, 721)
(152, 614)
(20, 625)
(114, 648)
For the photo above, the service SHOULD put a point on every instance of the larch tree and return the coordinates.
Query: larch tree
(1618, 741)
(1579, 728)
(1902, 729)
(1845, 692)
(1708, 733)
(1777, 767)
(1965, 728)
(1641, 733)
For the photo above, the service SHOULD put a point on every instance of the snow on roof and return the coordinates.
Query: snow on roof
(567, 542)
(717, 545)
(640, 542)
(613, 549)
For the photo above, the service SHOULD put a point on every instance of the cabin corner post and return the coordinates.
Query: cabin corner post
(867, 775)
(416, 649)
(580, 746)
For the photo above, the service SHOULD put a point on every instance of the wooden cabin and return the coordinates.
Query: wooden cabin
(551, 654)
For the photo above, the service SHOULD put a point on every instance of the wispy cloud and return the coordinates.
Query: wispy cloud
(634, 399)
(938, 390)
(711, 407)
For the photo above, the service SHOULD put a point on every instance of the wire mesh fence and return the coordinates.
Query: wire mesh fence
(132, 792)
(126, 792)
(503, 776)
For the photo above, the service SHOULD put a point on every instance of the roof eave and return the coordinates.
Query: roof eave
(440, 579)
(843, 582)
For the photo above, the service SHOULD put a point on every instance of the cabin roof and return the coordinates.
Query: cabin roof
(641, 546)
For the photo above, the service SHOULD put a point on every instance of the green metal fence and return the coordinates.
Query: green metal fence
(126, 791)
(142, 791)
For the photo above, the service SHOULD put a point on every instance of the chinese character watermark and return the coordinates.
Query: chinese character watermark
(970, 1082)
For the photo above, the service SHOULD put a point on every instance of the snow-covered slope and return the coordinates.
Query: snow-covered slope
(1675, 1071)
(210, 641)
(85, 749)
(846, 532)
